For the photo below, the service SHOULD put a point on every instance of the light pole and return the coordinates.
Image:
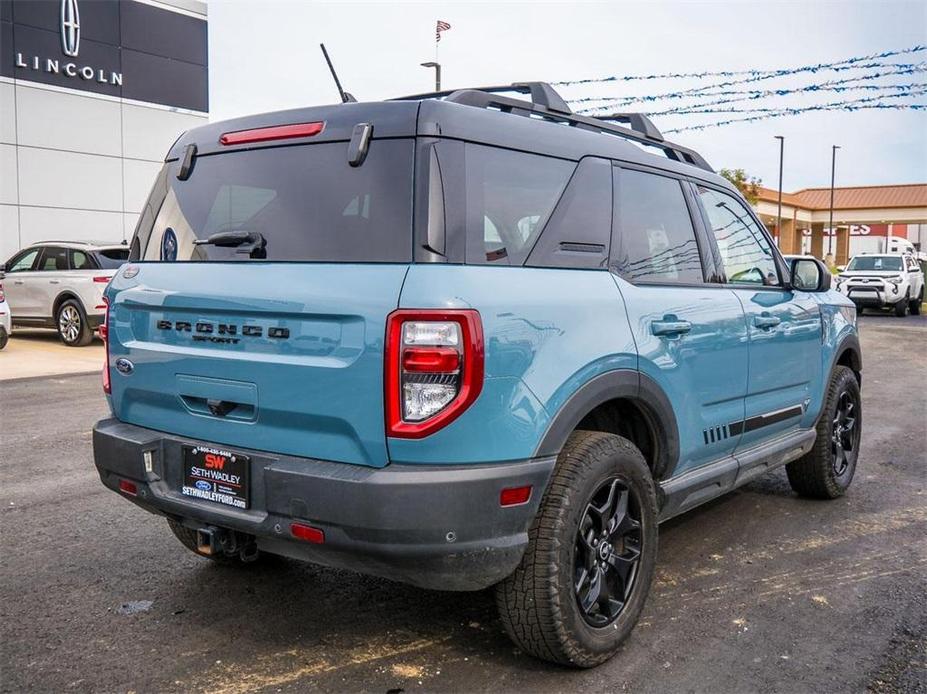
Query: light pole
(833, 169)
(437, 67)
(779, 208)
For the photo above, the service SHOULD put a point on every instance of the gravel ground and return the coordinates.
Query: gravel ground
(758, 591)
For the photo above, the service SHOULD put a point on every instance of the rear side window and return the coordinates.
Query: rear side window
(655, 240)
(306, 202)
(510, 196)
(53, 259)
(80, 260)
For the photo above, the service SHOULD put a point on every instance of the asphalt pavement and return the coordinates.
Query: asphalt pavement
(757, 591)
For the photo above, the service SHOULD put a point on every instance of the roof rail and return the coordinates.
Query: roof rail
(542, 94)
(548, 104)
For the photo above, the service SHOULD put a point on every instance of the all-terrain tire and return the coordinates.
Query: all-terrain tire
(901, 308)
(187, 537)
(916, 303)
(816, 474)
(538, 603)
(71, 320)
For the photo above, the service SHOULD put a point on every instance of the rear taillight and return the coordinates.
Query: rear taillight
(434, 368)
(2, 295)
(102, 280)
(104, 335)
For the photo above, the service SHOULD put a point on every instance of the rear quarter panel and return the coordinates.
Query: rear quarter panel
(547, 332)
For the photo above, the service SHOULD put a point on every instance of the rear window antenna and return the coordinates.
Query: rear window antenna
(346, 97)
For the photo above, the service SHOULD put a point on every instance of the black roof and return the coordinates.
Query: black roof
(544, 125)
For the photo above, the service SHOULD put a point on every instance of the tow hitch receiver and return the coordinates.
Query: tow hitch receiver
(219, 541)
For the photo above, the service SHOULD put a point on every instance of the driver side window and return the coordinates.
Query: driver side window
(23, 262)
(745, 252)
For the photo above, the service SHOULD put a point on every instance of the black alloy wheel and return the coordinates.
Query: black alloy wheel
(845, 436)
(607, 553)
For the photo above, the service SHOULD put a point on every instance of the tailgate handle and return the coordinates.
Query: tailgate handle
(220, 408)
(237, 411)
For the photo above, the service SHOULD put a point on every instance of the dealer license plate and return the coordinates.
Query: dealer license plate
(215, 475)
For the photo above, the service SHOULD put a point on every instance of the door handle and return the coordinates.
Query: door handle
(18, 282)
(766, 322)
(669, 328)
(53, 282)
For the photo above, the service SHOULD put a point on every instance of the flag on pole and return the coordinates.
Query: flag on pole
(442, 26)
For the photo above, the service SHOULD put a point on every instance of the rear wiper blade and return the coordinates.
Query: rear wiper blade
(251, 243)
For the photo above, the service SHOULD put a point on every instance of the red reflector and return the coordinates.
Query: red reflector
(513, 496)
(127, 487)
(307, 533)
(102, 280)
(431, 359)
(276, 132)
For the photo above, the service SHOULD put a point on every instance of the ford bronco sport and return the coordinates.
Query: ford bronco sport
(465, 340)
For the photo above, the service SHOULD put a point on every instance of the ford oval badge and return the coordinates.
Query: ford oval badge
(169, 246)
(204, 486)
(124, 366)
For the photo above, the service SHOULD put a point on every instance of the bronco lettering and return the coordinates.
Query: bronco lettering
(206, 328)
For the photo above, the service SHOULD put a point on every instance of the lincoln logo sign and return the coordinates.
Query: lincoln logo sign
(70, 28)
(70, 46)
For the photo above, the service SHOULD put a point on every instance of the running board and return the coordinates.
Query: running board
(693, 488)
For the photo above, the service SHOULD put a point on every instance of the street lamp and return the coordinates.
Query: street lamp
(779, 208)
(833, 168)
(437, 67)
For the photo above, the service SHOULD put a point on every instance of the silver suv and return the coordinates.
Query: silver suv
(59, 285)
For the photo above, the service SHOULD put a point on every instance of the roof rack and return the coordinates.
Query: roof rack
(548, 104)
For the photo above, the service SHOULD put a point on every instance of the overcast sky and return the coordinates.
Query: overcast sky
(264, 55)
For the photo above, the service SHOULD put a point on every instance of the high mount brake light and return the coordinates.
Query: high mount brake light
(434, 369)
(104, 335)
(274, 132)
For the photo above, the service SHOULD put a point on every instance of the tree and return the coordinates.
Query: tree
(749, 186)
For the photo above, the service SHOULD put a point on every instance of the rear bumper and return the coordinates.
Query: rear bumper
(437, 527)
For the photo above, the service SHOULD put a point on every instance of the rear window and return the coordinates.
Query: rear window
(112, 258)
(306, 202)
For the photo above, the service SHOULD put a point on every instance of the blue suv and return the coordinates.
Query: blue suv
(465, 340)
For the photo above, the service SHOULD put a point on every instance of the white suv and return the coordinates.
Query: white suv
(59, 284)
(884, 281)
(6, 326)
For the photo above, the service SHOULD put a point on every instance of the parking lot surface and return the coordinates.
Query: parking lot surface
(32, 353)
(758, 591)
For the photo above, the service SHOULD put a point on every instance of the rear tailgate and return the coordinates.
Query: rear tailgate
(281, 357)
(272, 340)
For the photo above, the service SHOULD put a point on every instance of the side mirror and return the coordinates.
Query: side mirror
(809, 275)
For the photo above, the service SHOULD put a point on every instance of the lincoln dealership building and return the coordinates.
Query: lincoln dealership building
(92, 95)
